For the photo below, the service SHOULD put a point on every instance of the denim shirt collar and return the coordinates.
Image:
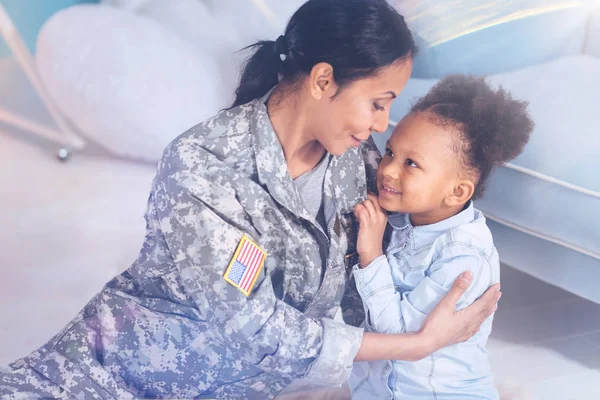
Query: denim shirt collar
(424, 235)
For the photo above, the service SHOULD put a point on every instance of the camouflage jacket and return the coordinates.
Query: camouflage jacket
(171, 326)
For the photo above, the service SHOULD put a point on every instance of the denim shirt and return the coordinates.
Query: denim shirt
(402, 287)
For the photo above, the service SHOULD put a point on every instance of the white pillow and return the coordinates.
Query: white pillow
(130, 5)
(592, 43)
(256, 19)
(213, 35)
(193, 20)
(125, 81)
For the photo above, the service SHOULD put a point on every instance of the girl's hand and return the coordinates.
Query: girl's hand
(372, 219)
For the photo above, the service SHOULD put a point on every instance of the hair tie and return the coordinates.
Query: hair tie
(281, 47)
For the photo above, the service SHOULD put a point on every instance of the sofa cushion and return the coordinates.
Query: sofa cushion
(496, 36)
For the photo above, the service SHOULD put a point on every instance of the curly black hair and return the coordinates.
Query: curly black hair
(493, 127)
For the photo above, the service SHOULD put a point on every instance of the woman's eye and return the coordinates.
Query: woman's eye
(377, 107)
(411, 163)
(389, 152)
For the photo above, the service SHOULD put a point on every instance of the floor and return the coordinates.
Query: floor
(546, 341)
(68, 228)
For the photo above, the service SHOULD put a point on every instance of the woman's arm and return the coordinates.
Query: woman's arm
(443, 327)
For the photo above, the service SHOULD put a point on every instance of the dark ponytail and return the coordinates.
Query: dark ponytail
(357, 37)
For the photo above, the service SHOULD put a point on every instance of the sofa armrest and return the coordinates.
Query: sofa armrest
(592, 41)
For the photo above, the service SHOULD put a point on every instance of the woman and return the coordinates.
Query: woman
(250, 232)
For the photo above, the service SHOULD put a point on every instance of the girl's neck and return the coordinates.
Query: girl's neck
(433, 217)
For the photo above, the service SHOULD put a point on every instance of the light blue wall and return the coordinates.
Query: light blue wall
(29, 16)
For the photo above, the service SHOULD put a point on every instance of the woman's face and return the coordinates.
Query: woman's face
(345, 120)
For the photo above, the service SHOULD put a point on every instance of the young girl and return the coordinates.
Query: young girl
(436, 162)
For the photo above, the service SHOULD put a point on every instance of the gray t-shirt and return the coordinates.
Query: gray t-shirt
(310, 189)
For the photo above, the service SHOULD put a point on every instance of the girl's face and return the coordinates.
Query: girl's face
(419, 170)
(346, 118)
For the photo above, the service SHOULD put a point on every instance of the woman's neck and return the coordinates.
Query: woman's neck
(290, 120)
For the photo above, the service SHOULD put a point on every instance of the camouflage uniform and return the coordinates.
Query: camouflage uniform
(172, 327)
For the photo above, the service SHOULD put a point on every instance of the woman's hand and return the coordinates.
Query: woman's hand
(444, 326)
(372, 219)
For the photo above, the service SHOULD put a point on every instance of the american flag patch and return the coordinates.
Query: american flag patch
(245, 265)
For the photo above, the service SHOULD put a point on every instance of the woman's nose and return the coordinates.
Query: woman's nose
(381, 122)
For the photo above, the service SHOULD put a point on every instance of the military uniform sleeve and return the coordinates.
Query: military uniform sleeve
(353, 312)
(202, 223)
(372, 158)
(352, 304)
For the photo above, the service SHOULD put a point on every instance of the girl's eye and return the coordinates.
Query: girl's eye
(377, 107)
(388, 152)
(411, 163)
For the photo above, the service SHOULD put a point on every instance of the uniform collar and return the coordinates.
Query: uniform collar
(345, 178)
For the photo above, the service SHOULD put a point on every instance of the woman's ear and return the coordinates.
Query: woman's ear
(322, 83)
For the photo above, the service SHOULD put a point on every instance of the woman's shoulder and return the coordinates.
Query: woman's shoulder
(228, 123)
(223, 136)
